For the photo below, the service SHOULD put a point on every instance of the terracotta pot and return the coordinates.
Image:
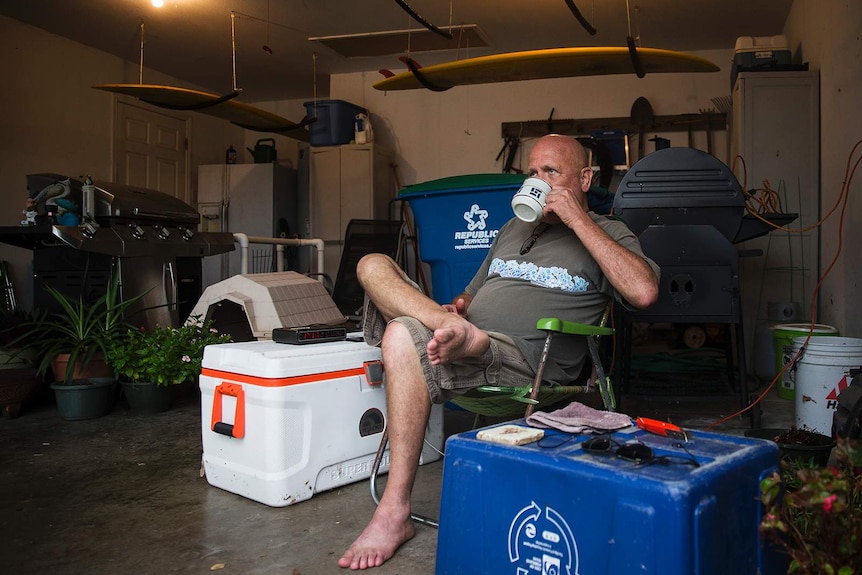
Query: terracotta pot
(97, 367)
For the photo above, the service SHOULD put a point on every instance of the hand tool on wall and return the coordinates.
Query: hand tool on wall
(642, 116)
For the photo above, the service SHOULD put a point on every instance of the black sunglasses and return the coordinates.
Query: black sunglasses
(534, 237)
(637, 453)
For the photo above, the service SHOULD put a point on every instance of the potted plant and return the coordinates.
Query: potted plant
(796, 443)
(814, 513)
(149, 362)
(74, 342)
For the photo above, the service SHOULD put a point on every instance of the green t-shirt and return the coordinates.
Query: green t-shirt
(556, 278)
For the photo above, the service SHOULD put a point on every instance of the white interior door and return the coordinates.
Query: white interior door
(151, 150)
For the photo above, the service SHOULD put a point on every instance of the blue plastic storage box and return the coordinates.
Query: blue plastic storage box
(457, 218)
(554, 508)
(335, 122)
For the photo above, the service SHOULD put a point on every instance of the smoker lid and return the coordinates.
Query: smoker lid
(680, 186)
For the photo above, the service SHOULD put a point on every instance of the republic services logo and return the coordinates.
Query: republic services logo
(476, 236)
(470, 217)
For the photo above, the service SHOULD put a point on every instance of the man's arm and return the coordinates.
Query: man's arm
(626, 271)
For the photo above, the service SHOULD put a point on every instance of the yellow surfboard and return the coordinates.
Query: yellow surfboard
(550, 63)
(242, 115)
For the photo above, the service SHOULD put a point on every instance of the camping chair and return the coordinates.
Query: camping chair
(362, 237)
(500, 401)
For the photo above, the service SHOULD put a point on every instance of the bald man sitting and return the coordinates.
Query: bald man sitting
(568, 265)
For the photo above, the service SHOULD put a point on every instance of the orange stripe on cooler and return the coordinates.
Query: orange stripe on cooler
(282, 381)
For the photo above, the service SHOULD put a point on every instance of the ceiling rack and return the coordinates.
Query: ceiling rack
(713, 121)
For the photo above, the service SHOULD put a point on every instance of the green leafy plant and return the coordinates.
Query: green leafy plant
(81, 329)
(163, 355)
(815, 513)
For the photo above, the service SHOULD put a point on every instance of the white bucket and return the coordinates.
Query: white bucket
(822, 372)
(784, 336)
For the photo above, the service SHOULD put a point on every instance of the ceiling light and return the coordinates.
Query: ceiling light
(158, 3)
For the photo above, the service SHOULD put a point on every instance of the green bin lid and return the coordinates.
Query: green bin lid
(469, 182)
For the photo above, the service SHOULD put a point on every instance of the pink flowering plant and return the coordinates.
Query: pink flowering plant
(815, 513)
(163, 355)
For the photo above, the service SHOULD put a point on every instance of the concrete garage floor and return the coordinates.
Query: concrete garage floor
(124, 494)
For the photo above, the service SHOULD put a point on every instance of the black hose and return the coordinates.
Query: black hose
(636, 61)
(411, 65)
(580, 17)
(422, 20)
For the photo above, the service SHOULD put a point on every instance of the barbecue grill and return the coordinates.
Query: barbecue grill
(688, 210)
(149, 237)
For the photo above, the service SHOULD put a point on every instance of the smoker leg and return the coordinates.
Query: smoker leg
(754, 412)
(622, 367)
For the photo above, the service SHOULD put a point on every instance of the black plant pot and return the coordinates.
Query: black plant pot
(147, 397)
(815, 451)
(85, 400)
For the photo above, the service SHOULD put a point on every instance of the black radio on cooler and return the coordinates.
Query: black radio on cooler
(308, 334)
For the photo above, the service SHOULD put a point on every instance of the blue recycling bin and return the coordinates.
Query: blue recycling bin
(553, 507)
(457, 218)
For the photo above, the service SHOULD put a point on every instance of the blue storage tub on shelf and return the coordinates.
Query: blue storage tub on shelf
(556, 508)
(335, 122)
(457, 218)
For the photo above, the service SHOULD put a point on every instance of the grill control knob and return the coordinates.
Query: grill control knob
(164, 233)
(89, 230)
(137, 232)
(188, 233)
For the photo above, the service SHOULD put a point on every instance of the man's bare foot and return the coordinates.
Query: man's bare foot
(455, 340)
(378, 541)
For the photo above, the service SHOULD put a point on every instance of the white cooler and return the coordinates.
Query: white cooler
(281, 422)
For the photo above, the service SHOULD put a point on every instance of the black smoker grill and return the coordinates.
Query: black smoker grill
(149, 237)
(688, 210)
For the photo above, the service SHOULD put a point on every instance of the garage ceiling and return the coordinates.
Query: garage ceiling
(275, 58)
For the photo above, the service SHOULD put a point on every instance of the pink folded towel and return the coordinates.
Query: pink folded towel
(579, 418)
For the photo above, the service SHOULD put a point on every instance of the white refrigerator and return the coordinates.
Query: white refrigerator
(254, 199)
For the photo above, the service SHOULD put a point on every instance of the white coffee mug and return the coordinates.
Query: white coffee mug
(530, 199)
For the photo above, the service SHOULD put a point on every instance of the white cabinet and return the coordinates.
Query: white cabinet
(353, 181)
(776, 136)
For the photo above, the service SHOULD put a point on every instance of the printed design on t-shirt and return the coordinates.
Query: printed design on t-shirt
(550, 277)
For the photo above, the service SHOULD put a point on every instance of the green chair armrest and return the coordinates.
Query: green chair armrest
(569, 327)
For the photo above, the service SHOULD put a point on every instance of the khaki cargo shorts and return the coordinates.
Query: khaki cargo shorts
(503, 364)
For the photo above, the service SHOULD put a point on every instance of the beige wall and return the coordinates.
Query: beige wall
(51, 120)
(828, 35)
(439, 134)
